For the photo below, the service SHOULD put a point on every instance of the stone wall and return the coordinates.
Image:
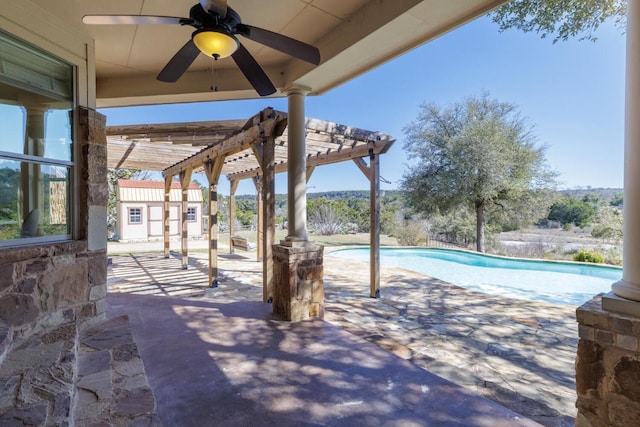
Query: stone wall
(298, 281)
(48, 292)
(44, 286)
(607, 368)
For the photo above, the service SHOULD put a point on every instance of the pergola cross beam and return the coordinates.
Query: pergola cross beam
(320, 159)
(265, 124)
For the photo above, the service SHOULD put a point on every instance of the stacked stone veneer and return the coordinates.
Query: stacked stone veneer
(607, 367)
(48, 292)
(298, 281)
(111, 386)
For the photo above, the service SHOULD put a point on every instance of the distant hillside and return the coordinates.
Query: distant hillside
(606, 193)
(353, 194)
(329, 195)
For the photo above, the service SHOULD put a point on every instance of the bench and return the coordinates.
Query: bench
(242, 243)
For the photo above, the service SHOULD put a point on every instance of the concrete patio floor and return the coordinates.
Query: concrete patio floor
(519, 354)
(234, 364)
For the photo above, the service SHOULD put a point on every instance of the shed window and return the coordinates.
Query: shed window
(135, 216)
(192, 214)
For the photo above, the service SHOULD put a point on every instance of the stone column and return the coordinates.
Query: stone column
(629, 286)
(608, 360)
(92, 209)
(298, 271)
(297, 167)
(607, 367)
(298, 281)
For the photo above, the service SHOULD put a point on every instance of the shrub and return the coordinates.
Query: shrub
(584, 255)
(613, 256)
(328, 217)
(411, 233)
(608, 225)
(617, 200)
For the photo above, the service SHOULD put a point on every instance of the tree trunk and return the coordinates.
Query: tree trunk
(480, 226)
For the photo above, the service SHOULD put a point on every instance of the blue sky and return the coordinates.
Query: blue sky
(571, 92)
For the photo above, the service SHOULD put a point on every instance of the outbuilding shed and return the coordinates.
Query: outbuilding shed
(140, 208)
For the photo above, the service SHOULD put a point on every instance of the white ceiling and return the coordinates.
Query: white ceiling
(353, 36)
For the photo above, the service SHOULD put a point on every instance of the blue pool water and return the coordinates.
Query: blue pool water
(555, 282)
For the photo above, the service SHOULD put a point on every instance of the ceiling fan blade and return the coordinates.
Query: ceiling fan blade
(133, 19)
(285, 44)
(179, 63)
(253, 72)
(215, 6)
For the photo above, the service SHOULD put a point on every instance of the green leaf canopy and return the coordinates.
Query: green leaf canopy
(473, 154)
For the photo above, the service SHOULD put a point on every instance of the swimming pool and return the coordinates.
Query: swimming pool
(555, 282)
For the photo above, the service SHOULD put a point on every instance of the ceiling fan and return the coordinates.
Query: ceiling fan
(216, 27)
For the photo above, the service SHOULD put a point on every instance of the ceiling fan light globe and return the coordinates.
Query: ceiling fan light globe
(215, 43)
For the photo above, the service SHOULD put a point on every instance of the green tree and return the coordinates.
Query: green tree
(391, 207)
(358, 213)
(9, 184)
(572, 211)
(594, 200)
(473, 154)
(560, 19)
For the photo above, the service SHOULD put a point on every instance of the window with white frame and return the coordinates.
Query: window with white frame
(135, 215)
(36, 144)
(192, 214)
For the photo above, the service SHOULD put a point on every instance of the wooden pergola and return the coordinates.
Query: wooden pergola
(253, 149)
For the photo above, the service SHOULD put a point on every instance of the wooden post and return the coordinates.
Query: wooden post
(269, 216)
(265, 186)
(185, 180)
(258, 182)
(166, 220)
(213, 169)
(232, 212)
(374, 198)
(372, 172)
(310, 170)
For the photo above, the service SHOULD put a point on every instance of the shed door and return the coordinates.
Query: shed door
(155, 221)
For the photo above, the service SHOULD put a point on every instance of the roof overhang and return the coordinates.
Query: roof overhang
(353, 36)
